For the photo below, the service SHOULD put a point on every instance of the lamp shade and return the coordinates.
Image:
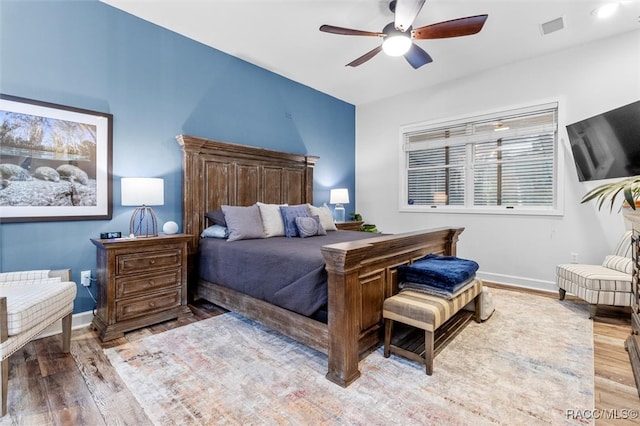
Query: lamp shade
(339, 196)
(142, 191)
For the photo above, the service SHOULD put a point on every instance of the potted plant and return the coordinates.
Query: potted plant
(628, 189)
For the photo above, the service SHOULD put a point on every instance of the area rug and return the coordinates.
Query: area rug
(530, 363)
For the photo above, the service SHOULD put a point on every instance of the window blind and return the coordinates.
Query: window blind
(505, 160)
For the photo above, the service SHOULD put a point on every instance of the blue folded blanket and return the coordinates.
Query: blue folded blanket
(435, 291)
(444, 272)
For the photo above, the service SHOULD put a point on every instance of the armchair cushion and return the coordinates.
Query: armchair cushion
(618, 263)
(607, 284)
(24, 275)
(596, 284)
(30, 303)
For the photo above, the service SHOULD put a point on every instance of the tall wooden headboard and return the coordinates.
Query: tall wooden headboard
(216, 173)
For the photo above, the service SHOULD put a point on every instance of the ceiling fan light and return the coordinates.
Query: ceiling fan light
(396, 45)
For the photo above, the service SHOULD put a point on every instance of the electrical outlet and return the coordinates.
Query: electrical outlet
(574, 257)
(85, 278)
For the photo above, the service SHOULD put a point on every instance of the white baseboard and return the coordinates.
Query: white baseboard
(79, 320)
(522, 282)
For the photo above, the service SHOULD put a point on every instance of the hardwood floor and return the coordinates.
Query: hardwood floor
(47, 387)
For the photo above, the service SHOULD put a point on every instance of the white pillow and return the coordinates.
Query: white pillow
(271, 219)
(326, 218)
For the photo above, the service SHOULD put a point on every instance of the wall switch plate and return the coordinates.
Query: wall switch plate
(85, 278)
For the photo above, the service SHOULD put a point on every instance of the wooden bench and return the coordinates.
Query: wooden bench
(426, 312)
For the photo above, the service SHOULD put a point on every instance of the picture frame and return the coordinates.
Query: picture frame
(55, 162)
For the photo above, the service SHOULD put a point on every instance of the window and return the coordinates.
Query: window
(497, 163)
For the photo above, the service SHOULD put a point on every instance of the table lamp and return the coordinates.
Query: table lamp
(339, 196)
(143, 192)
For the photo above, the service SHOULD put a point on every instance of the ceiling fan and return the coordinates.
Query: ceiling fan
(398, 35)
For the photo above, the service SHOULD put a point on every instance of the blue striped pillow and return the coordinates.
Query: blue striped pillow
(289, 214)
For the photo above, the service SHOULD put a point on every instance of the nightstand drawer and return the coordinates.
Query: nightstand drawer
(136, 284)
(140, 306)
(141, 262)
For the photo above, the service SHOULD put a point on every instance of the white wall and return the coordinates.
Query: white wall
(519, 250)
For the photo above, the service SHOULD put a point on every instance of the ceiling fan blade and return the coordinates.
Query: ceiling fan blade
(417, 57)
(454, 28)
(348, 31)
(406, 12)
(364, 58)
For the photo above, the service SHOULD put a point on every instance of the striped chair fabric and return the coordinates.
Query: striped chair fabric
(605, 284)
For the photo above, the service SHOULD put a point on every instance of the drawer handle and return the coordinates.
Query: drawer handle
(152, 262)
(152, 304)
(150, 283)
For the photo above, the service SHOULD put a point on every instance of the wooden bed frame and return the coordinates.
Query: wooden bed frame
(361, 273)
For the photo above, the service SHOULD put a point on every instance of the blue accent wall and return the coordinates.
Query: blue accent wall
(157, 84)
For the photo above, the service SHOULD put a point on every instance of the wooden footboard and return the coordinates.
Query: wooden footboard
(361, 275)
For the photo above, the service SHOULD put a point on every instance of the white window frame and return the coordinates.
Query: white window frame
(556, 209)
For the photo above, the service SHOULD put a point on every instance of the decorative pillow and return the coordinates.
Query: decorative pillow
(271, 219)
(618, 263)
(309, 226)
(326, 218)
(217, 217)
(243, 223)
(215, 231)
(289, 214)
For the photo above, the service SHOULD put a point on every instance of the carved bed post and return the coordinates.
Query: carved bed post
(343, 268)
(192, 196)
(452, 241)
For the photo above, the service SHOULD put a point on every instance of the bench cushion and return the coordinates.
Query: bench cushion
(425, 311)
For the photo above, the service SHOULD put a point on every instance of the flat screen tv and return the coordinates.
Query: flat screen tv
(607, 145)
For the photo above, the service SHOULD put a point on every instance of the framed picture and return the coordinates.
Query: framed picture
(55, 162)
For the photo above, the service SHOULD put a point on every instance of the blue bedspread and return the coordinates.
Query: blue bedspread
(443, 272)
(287, 272)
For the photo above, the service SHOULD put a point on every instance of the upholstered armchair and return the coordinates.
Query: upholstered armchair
(30, 301)
(605, 284)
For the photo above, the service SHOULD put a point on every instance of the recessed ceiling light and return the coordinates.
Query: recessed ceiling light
(606, 10)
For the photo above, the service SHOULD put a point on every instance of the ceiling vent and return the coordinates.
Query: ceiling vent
(552, 26)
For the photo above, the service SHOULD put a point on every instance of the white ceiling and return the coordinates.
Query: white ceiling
(283, 36)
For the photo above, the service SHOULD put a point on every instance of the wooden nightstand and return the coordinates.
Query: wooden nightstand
(353, 225)
(141, 281)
